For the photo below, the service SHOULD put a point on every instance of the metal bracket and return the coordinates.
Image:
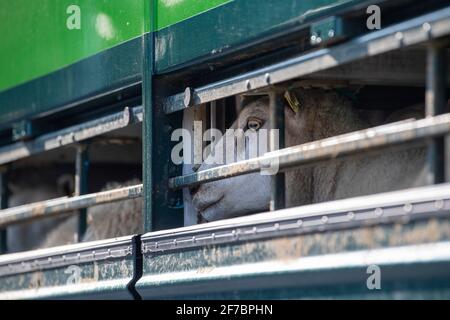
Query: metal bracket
(23, 130)
(330, 30)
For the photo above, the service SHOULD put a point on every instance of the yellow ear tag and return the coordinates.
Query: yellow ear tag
(292, 101)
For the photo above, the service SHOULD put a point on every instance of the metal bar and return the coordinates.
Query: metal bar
(148, 127)
(384, 208)
(338, 275)
(277, 133)
(408, 33)
(4, 194)
(390, 207)
(81, 185)
(435, 104)
(330, 148)
(71, 135)
(66, 205)
(213, 115)
(73, 254)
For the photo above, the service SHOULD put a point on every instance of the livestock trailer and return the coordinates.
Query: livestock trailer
(73, 73)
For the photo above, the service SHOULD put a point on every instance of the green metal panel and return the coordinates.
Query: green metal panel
(319, 265)
(105, 73)
(236, 23)
(102, 270)
(72, 66)
(172, 12)
(37, 41)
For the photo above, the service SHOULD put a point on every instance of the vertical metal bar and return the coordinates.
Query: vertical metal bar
(81, 185)
(277, 199)
(435, 104)
(213, 115)
(147, 126)
(4, 194)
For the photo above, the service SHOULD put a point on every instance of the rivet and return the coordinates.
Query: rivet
(299, 222)
(331, 33)
(399, 36)
(350, 215)
(188, 97)
(248, 84)
(379, 211)
(276, 226)
(426, 27)
(324, 219)
(439, 204)
(407, 207)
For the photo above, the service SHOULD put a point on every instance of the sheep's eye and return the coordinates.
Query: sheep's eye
(254, 124)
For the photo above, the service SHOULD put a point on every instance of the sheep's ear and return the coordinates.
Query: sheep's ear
(292, 101)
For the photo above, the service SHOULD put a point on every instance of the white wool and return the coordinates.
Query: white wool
(105, 221)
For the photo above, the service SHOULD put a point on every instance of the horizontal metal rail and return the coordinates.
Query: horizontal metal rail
(411, 32)
(408, 265)
(383, 208)
(70, 135)
(62, 256)
(66, 205)
(390, 207)
(330, 148)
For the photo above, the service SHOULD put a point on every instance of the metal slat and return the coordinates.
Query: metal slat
(411, 32)
(435, 104)
(65, 256)
(277, 141)
(4, 195)
(71, 135)
(413, 265)
(81, 185)
(384, 208)
(330, 148)
(101, 269)
(66, 205)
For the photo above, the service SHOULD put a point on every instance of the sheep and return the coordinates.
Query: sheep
(32, 184)
(105, 221)
(322, 114)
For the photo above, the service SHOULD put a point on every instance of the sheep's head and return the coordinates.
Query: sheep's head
(247, 194)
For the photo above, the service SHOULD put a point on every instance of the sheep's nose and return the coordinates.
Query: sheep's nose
(193, 190)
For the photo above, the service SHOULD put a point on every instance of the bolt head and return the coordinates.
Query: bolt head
(188, 97)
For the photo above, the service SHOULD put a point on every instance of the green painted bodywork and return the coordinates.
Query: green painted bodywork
(170, 12)
(235, 24)
(37, 41)
(44, 67)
